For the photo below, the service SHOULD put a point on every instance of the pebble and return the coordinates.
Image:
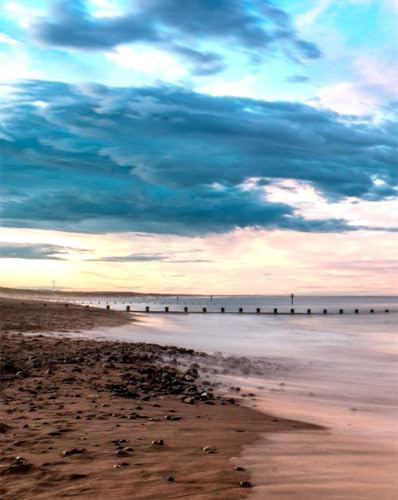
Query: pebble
(170, 478)
(239, 468)
(20, 464)
(73, 451)
(124, 452)
(245, 484)
(158, 442)
(4, 428)
(209, 449)
(122, 464)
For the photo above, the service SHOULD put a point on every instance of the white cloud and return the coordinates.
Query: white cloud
(8, 40)
(22, 14)
(16, 66)
(148, 60)
(309, 203)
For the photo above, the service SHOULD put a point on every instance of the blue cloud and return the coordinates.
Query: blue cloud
(168, 160)
(35, 251)
(183, 28)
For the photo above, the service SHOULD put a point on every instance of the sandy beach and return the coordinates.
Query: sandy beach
(89, 419)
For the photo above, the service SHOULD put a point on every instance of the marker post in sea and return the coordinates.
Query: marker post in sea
(292, 299)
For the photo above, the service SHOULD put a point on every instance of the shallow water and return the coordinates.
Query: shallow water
(342, 372)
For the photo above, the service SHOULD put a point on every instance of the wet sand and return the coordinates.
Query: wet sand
(90, 419)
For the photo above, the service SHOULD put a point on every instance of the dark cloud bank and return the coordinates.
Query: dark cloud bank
(167, 160)
(182, 27)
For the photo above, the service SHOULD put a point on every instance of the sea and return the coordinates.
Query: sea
(338, 370)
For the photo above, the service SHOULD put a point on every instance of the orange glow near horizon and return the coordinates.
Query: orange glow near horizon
(240, 262)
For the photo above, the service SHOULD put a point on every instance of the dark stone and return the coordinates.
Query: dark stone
(158, 442)
(245, 484)
(73, 451)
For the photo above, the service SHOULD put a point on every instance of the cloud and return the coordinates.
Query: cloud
(135, 257)
(155, 257)
(92, 158)
(181, 28)
(34, 251)
(297, 79)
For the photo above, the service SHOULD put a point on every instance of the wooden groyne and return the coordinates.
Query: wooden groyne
(257, 311)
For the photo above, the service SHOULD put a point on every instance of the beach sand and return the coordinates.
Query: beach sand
(92, 419)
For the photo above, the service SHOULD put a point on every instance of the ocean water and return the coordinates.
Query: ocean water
(249, 303)
(338, 371)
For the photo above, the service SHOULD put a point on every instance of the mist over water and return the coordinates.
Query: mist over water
(341, 372)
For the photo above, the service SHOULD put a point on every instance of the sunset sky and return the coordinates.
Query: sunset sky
(210, 146)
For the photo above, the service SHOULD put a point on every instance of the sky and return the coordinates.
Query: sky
(204, 146)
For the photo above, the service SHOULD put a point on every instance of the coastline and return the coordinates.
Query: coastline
(62, 395)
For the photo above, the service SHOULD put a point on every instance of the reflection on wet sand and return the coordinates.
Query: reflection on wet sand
(322, 465)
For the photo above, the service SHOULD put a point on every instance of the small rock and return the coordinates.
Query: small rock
(75, 476)
(73, 451)
(122, 453)
(122, 464)
(170, 478)
(4, 428)
(20, 464)
(158, 442)
(245, 484)
(209, 449)
(239, 468)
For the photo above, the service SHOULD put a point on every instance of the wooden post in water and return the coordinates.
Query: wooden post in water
(275, 310)
(325, 311)
(308, 311)
(166, 309)
(147, 309)
(185, 309)
(341, 311)
(204, 309)
(372, 311)
(258, 310)
(240, 310)
(223, 309)
(291, 311)
(128, 308)
(108, 307)
(356, 311)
